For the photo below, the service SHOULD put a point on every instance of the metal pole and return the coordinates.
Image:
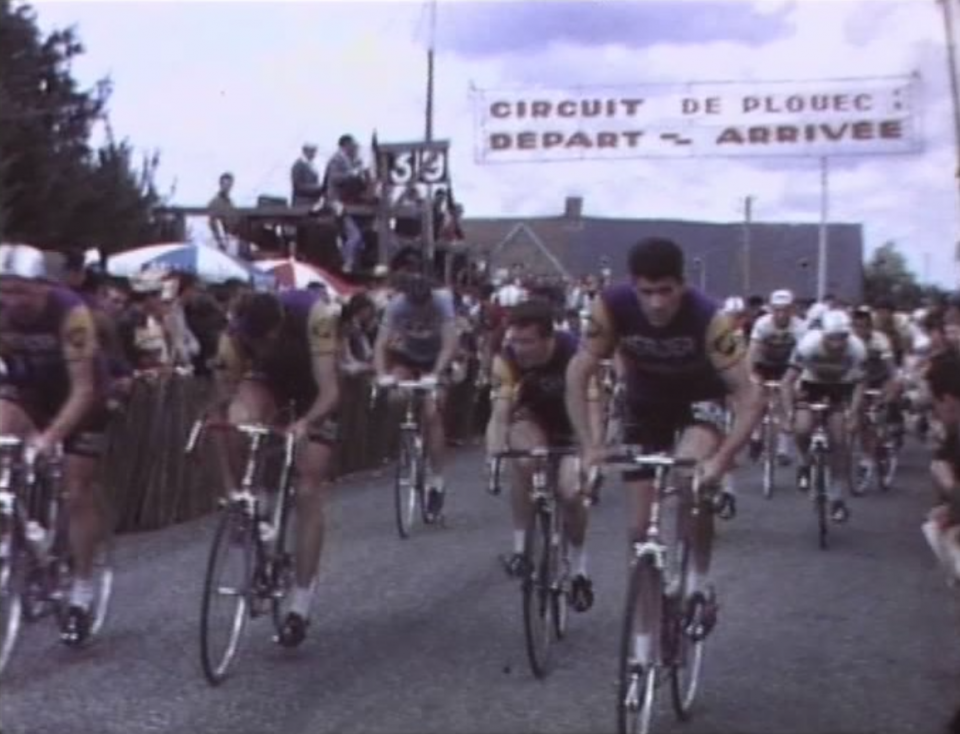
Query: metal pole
(954, 82)
(429, 236)
(824, 216)
(748, 218)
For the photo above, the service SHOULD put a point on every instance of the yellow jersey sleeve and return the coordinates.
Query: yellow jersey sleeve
(322, 327)
(79, 335)
(726, 343)
(230, 362)
(599, 337)
(503, 381)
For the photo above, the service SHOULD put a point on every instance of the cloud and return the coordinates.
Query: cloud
(245, 99)
(483, 29)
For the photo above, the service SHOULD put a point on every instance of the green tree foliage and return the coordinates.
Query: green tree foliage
(888, 277)
(56, 190)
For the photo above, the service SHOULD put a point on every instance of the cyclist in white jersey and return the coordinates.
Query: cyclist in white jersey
(772, 341)
(829, 363)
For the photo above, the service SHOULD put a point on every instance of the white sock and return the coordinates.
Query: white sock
(642, 651)
(519, 541)
(696, 581)
(866, 462)
(783, 444)
(435, 481)
(728, 484)
(81, 593)
(300, 600)
(578, 560)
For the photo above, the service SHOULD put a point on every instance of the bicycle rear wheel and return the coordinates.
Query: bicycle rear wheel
(636, 689)
(769, 458)
(221, 629)
(560, 575)
(537, 592)
(408, 484)
(10, 596)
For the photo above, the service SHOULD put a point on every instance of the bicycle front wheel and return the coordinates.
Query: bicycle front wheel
(538, 592)
(407, 485)
(686, 654)
(769, 458)
(226, 594)
(10, 597)
(636, 689)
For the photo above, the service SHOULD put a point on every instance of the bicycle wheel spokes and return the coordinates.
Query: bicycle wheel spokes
(559, 585)
(407, 485)
(103, 585)
(226, 595)
(769, 458)
(10, 603)
(537, 592)
(636, 689)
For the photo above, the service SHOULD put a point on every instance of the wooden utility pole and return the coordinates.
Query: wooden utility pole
(954, 93)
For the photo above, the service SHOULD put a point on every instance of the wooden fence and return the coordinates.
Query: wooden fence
(150, 483)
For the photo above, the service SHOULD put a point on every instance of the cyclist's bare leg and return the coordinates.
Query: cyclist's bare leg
(522, 436)
(313, 473)
(84, 507)
(574, 512)
(803, 430)
(436, 433)
(252, 403)
(699, 442)
(14, 421)
(839, 454)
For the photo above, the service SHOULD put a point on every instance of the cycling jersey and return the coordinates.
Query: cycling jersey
(817, 365)
(773, 345)
(879, 365)
(309, 330)
(538, 392)
(672, 374)
(417, 331)
(38, 358)
(677, 363)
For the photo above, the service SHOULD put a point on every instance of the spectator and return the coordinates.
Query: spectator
(307, 188)
(223, 217)
(142, 334)
(358, 333)
(347, 183)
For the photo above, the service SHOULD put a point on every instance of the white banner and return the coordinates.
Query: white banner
(873, 116)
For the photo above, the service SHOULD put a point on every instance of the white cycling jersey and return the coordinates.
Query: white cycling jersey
(879, 364)
(773, 346)
(818, 365)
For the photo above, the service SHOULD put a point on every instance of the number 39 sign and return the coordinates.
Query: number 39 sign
(416, 163)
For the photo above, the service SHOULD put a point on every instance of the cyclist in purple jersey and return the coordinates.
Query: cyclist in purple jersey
(681, 357)
(280, 351)
(51, 392)
(528, 385)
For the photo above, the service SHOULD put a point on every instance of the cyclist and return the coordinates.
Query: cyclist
(880, 373)
(682, 357)
(418, 339)
(528, 384)
(828, 362)
(53, 392)
(943, 527)
(281, 350)
(772, 342)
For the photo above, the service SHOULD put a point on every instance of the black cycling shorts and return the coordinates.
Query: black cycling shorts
(88, 439)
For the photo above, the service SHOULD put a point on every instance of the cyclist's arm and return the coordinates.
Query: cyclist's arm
(449, 337)
(857, 376)
(324, 342)
(228, 370)
(598, 343)
(502, 393)
(385, 335)
(81, 351)
(728, 352)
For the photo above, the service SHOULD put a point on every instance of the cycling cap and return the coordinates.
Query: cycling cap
(781, 298)
(835, 323)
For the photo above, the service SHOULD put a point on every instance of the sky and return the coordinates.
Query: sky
(240, 86)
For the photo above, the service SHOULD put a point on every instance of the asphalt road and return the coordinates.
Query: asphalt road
(425, 635)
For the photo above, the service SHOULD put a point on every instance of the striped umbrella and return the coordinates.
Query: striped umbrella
(207, 263)
(290, 273)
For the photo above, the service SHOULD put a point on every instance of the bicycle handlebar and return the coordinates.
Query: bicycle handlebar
(248, 429)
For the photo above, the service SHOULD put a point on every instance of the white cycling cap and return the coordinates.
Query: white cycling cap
(22, 261)
(781, 298)
(835, 323)
(734, 304)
